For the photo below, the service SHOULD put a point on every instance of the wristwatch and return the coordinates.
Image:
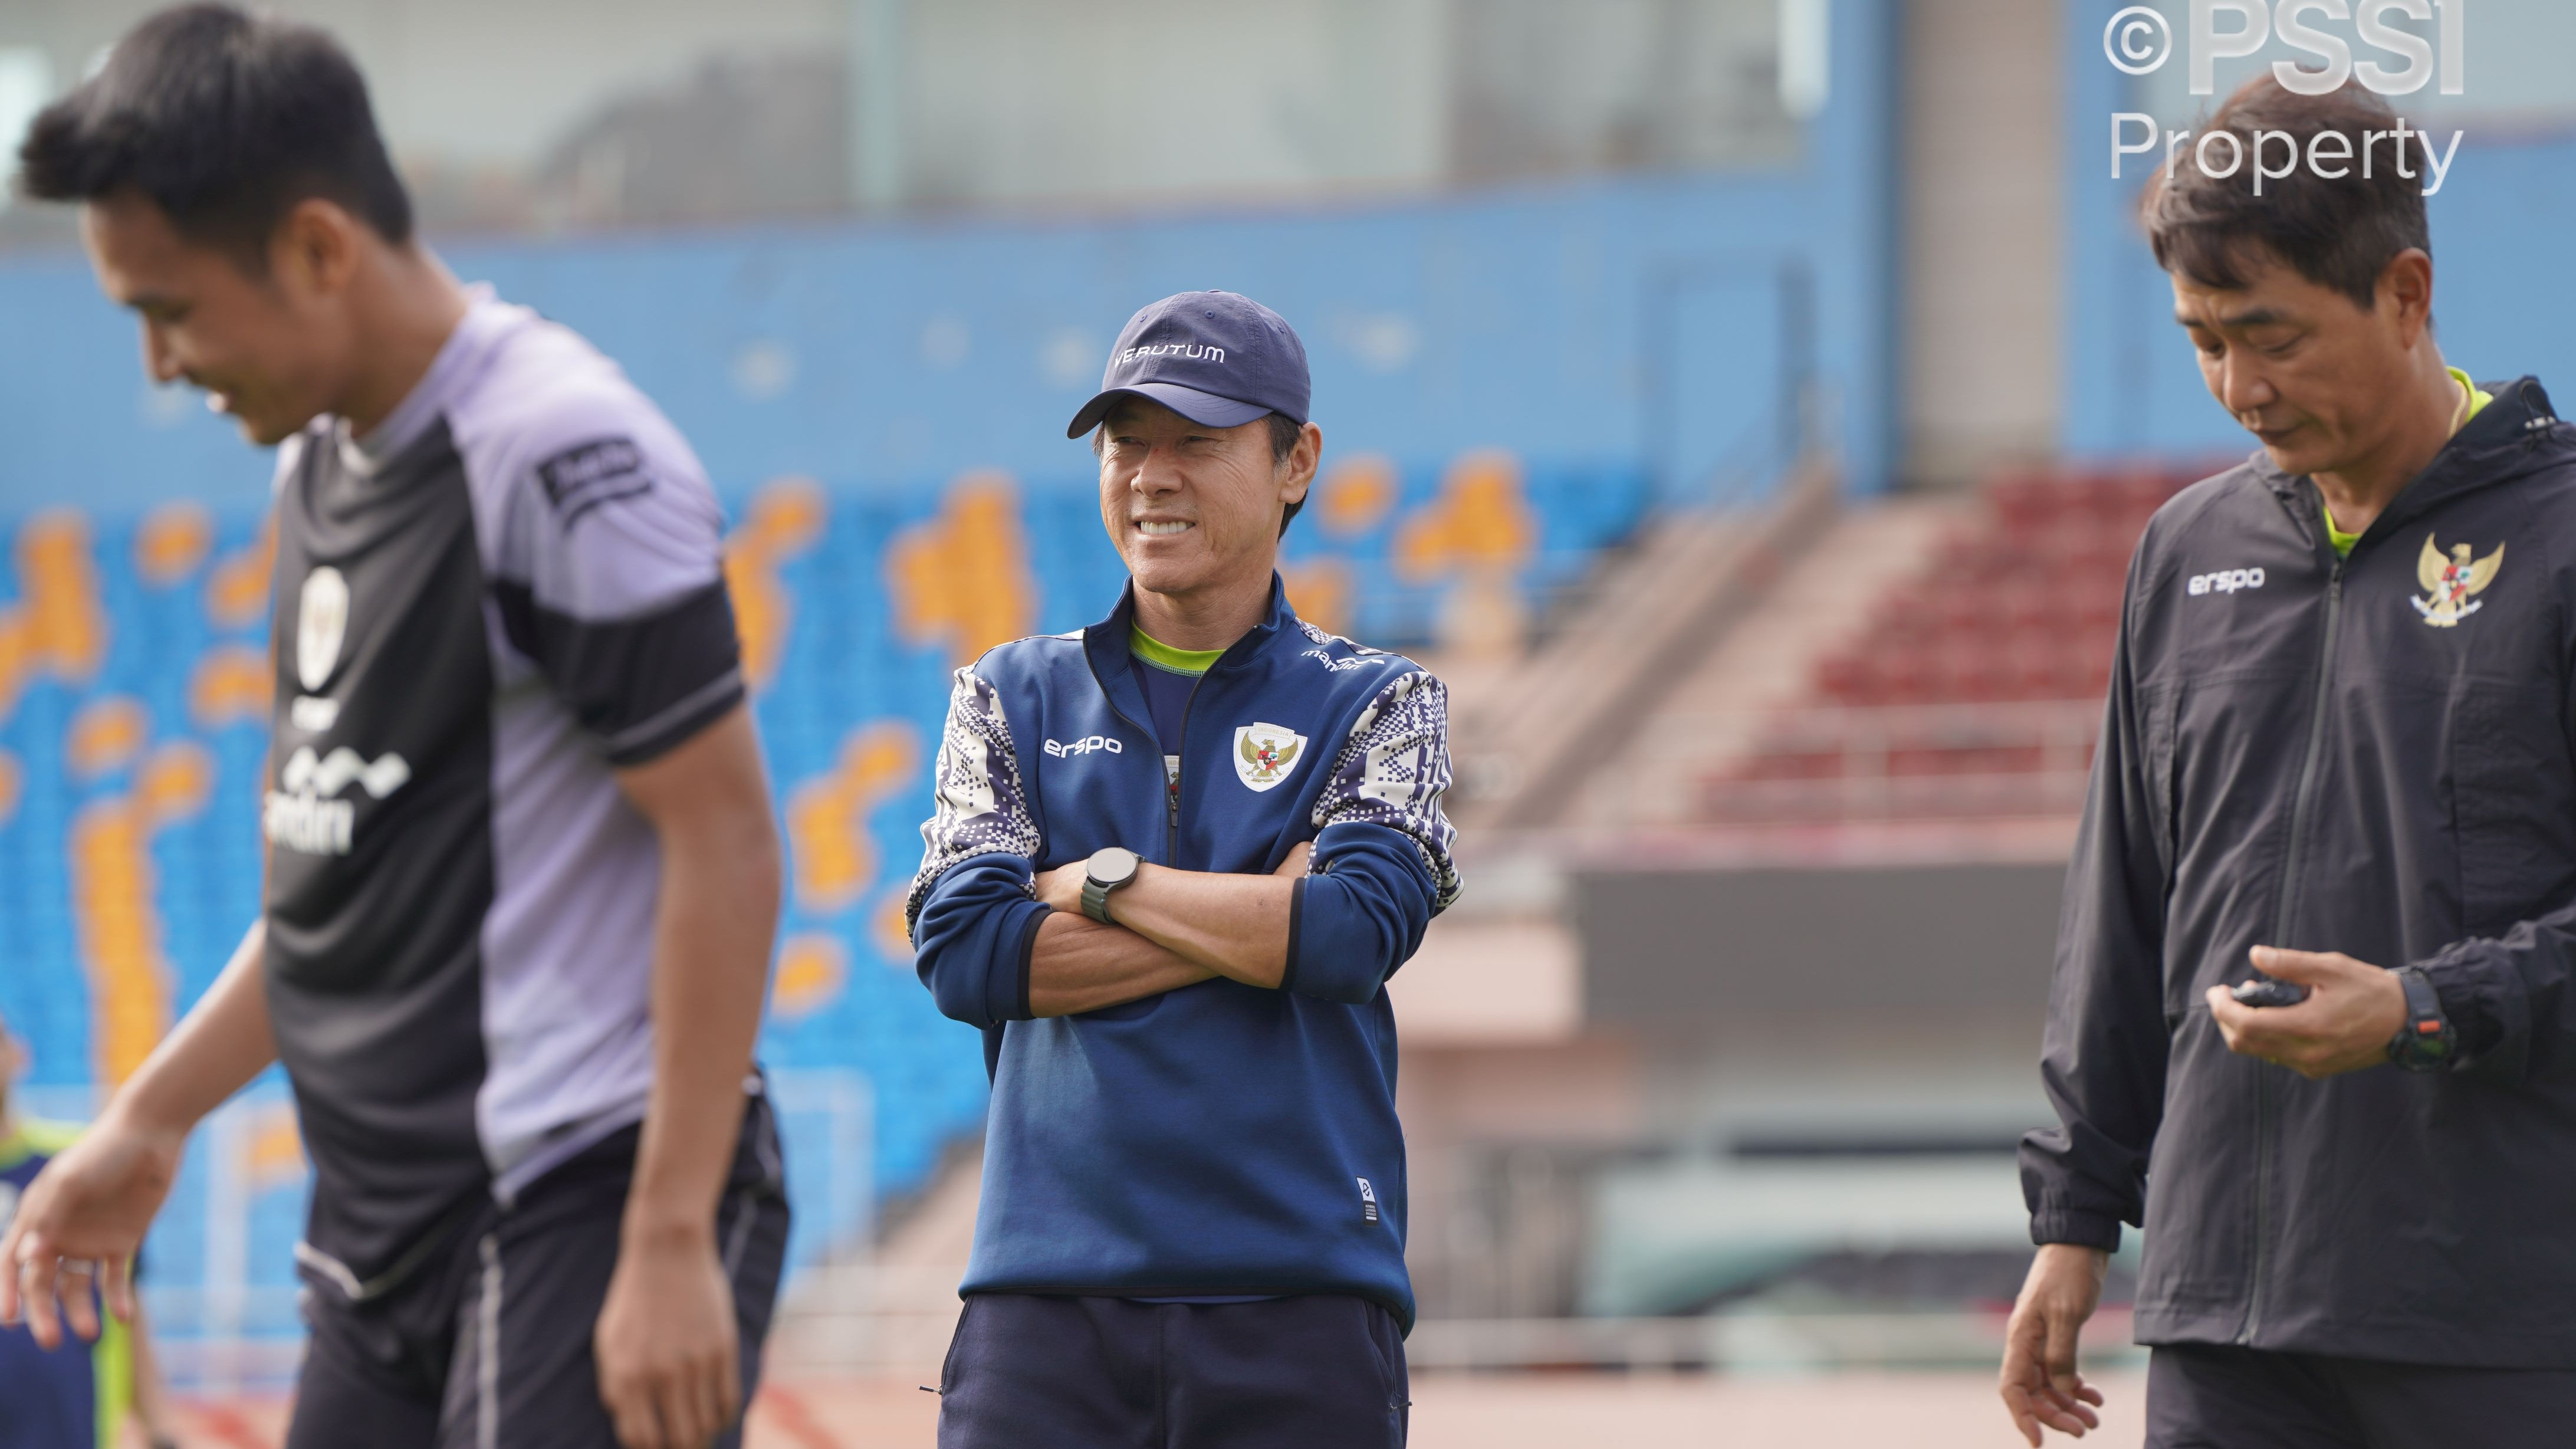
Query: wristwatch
(2426, 1042)
(1109, 868)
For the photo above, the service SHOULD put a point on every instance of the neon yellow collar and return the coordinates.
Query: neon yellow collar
(1164, 657)
(2476, 400)
(2477, 396)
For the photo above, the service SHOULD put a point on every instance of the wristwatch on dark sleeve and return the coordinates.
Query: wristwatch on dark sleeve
(1110, 867)
(2426, 1042)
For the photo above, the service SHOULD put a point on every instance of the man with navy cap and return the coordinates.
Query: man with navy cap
(1172, 861)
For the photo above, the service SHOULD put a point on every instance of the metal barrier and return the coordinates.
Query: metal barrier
(1735, 1342)
(864, 1319)
(875, 1322)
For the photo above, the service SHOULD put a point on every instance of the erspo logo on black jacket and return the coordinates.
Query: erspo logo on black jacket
(2371, 755)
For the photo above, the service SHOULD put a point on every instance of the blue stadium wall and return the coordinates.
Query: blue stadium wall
(1510, 382)
(2501, 228)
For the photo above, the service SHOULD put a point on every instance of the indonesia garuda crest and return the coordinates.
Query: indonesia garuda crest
(1265, 754)
(2450, 583)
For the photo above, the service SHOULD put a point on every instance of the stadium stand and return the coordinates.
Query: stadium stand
(1974, 687)
(1531, 740)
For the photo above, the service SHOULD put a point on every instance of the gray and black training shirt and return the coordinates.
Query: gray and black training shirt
(507, 591)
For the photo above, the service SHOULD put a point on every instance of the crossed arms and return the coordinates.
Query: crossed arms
(1000, 940)
(1173, 928)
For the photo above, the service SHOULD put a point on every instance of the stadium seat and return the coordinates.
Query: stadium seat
(1974, 691)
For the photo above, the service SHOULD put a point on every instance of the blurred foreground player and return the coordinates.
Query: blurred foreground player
(99, 1395)
(521, 872)
(1175, 857)
(2360, 1209)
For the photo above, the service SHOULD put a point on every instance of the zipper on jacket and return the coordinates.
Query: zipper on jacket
(1172, 770)
(2263, 1104)
(1180, 752)
(1171, 775)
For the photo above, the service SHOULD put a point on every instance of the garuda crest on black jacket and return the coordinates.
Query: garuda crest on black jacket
(2372, 755)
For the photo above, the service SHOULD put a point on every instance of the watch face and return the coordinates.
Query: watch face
(1112, 865)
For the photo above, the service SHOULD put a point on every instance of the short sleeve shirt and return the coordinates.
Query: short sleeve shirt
(508, 590)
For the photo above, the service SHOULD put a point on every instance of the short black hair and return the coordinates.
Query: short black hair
(2340, 233)
(1284, 433)
(225, 121)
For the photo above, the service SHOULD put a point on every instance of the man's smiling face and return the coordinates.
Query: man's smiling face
(2302, 366)
(267, 350)
(1192, 507)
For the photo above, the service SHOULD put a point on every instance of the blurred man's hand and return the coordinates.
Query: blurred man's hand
(2352, 1012)
(80, 1224)
(668, 1349)
(2040, 1384)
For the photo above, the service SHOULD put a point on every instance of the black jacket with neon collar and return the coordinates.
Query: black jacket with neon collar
(2360, 755)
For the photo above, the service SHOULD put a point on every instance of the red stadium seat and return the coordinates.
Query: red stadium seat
(1974, 688)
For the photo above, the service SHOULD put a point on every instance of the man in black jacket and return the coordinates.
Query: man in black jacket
(2339, 764)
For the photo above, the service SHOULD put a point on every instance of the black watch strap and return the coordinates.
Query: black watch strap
(2426, 1042)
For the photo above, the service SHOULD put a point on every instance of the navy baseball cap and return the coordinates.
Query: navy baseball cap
(1216, 358)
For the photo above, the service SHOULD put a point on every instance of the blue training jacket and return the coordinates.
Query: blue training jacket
(1220, 1138)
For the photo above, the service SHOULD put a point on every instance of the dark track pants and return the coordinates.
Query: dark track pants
(487, 1345)
(1113, 1373)
(2210, 1397)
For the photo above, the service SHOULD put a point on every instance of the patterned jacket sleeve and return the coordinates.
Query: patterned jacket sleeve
(1393, 771)
(1382, 864)
(971, 910)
